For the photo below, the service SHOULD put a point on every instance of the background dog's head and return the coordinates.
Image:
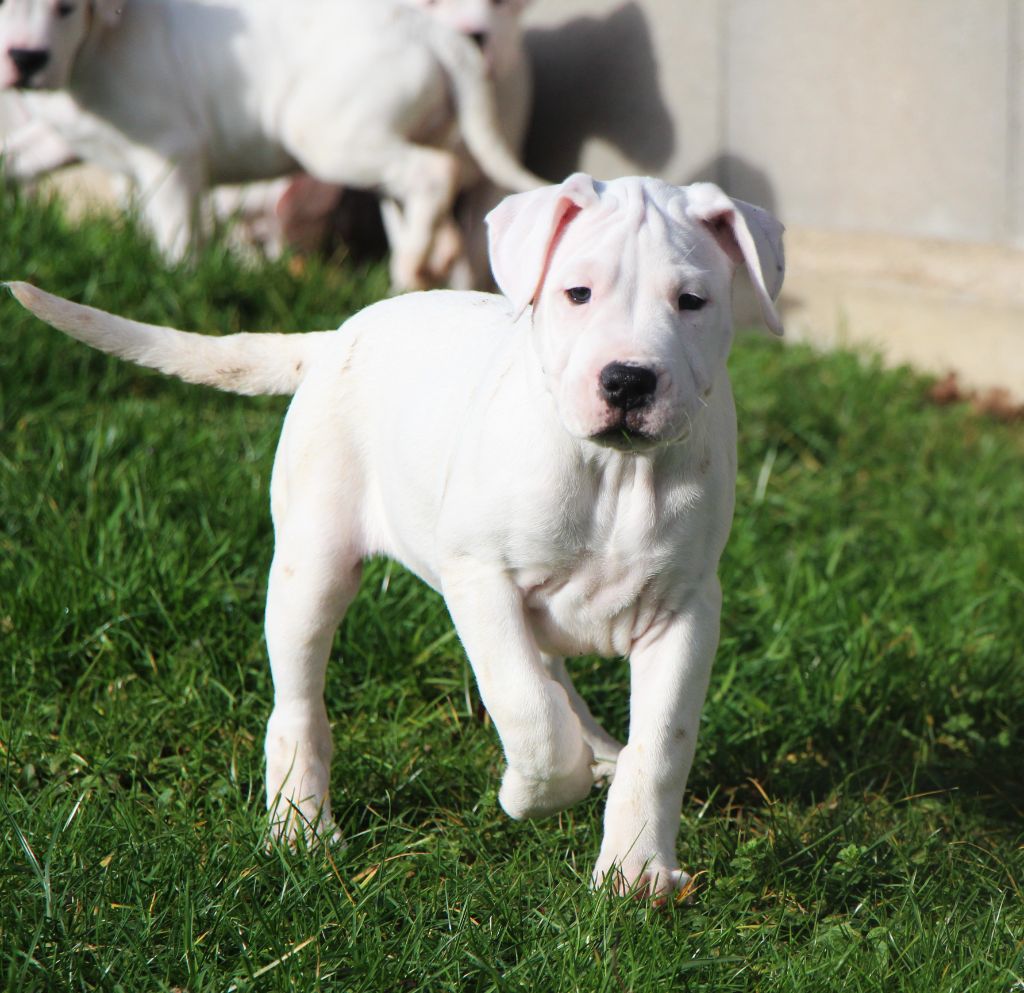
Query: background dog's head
(39, 39)
(492, 24)
(630, 283)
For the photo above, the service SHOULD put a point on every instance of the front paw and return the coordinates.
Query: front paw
(298, 753)
(522, 797)
(634, 875)
(308, 820)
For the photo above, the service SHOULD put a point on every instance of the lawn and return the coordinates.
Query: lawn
(855, 813)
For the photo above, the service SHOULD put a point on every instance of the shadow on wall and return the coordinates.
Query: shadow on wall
(596, 78)
(739, 178)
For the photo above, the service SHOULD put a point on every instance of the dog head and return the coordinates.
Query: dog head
(492, 24)
(39, 39)
(630, 283)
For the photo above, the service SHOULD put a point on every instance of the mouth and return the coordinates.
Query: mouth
(628, 433)
(625, 439)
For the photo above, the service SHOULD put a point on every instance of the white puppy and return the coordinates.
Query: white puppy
(183, 94)
(563, 473)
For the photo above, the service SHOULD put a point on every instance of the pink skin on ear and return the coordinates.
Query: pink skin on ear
(523, 230)
(757, 244)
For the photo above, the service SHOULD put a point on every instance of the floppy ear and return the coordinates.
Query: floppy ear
(747, 234)
(108, 12)
(522, 232)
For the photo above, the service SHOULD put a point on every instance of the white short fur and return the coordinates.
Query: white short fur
(476, 439)
(296, 211)
(181, 95)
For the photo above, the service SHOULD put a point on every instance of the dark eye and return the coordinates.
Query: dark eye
(690, 301)
(579, 294)
(65, 9)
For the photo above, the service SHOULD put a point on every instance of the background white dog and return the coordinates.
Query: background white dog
(183, 94)
(301, 211)
(560, 463)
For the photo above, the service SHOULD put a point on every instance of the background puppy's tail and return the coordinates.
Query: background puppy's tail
(477, 110)
(239, 363)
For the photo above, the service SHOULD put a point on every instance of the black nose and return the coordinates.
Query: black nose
(628, 386)
(479, 38)
(28, 61)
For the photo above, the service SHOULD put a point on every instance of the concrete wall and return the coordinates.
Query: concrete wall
(888, 135)
(902, 117)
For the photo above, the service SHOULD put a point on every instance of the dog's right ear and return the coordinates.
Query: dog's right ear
(108, 12)
(522, 232)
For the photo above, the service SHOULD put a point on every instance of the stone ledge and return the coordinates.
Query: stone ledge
(938, 306)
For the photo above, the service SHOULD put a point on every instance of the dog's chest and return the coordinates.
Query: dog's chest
(612, 559)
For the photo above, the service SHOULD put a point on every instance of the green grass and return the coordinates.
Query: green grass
(856, 811)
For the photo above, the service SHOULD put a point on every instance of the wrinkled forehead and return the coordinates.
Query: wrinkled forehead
(647, 217)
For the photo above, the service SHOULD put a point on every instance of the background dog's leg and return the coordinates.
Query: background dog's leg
(423, 182)
(549, 762)
(391, 216)
(605, 748)
(171, 203)
(447, 263)
(669, 680)
(473, 207)
(313, 579)
(33, 150)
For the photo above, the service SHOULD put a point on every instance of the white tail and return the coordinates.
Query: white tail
(477, 111)
(251, 364)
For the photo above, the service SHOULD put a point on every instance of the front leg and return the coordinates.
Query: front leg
(548, 760)
(33, 150)
(669, 679)
(447, 257)
(171, 196)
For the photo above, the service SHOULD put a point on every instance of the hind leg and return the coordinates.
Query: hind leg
(605, 748)
(313, 578)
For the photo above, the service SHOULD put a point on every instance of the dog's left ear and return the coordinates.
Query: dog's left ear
(108, 12)
(523, 230)
(747, 234)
